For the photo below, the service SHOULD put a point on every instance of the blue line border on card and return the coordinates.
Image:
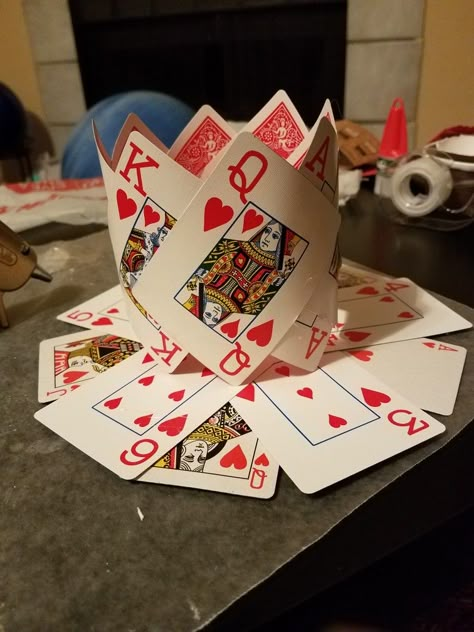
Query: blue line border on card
(154, 423)
(376, 418)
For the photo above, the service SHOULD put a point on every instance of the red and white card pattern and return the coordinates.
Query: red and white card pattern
(203, 138)
(325, 426)
(278, 125)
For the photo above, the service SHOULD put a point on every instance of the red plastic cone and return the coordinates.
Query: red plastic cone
(394, 140)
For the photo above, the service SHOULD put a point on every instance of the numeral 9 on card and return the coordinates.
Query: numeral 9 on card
(140, 452)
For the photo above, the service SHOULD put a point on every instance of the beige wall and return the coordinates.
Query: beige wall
(17, 68)
(446, 94)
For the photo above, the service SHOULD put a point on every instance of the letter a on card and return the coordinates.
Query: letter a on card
(304, 343)
(320, 164)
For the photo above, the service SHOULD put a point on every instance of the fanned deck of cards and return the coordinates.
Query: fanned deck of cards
(227, 348)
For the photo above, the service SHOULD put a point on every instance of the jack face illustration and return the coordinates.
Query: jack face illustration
(97, 354)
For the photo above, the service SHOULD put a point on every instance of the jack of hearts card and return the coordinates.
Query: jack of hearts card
(66, 362)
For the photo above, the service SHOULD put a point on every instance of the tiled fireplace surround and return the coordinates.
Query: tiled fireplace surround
(383, 53)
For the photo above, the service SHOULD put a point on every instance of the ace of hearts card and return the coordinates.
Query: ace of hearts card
(428, 372)
(246, 256)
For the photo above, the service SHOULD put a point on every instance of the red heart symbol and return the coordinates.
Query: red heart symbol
(283, 370)
(431, 345)
(177, 396)
(126, 206)
(231, 329)
(143, 421)
(252, 219)
(336, 422)
(387, 299)
(235, 458)
(150, 215)
(205, 372)
(362, 354)
(262, 460)
(247, 393)
(146, 381)
(72, 376)
(261, 334)
(367, 290)
(174, 426)
(216, 213)
(102, 321)
(112, 310)
(356, 336)
(305, 392)
(112, 404)
(74, 386)
(374, 398)
(147, 358)
(405, 315)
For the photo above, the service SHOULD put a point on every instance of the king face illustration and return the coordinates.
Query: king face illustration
(141, 245)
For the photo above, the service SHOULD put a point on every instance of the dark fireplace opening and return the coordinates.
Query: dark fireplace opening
(233, 55)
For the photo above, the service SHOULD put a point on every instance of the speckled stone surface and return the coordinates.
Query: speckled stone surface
(74, 554)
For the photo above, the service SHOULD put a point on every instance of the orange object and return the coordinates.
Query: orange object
(394, 140)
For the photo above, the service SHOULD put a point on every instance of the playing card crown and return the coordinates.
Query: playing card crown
(250, 223)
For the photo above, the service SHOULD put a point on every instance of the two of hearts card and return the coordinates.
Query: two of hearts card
(235, 342)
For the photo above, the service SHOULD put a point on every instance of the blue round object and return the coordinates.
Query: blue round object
(163, 114)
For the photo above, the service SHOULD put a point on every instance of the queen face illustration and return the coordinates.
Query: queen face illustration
(163, 234)
(193, 456)
(270, 237)
(241, 276)
(212, 313)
